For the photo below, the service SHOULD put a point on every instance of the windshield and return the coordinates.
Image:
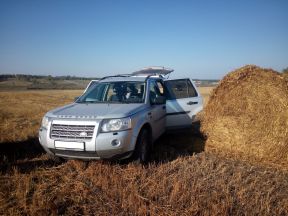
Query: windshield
(91, 84)
(115, 92)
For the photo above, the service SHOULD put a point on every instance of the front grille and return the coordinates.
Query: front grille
(72, 132)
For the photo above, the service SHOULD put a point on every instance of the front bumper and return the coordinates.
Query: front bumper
(99, 147)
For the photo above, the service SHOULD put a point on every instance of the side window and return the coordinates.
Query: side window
(155, 91)
(178, 89)
(181, 88)
(191, 90)
(160, 87)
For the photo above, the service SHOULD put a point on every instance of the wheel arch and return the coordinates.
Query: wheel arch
(142, 149)
(146, 126)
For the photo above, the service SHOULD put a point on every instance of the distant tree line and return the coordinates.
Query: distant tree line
(29, 78)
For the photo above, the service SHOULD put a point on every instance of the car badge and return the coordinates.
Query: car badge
(83, 134)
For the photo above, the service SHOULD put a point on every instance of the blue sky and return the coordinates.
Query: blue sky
(199, 39)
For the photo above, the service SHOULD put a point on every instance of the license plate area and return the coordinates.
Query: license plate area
(76, 146)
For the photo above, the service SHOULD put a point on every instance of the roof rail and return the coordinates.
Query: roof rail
(150, 75)
(118, 75)
(148, 72)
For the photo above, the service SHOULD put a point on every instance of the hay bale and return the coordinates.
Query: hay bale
(247, 115)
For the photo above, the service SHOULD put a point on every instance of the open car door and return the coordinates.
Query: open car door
(182, 104)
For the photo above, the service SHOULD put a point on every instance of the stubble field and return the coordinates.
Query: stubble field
(182, 178)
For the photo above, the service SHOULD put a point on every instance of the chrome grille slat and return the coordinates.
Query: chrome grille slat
(72, 132)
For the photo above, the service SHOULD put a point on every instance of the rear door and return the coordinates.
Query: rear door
(183, 103)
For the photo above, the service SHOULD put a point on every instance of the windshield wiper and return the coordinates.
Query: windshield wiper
(88, 102)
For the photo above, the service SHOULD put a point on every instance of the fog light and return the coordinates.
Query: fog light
(115, 142)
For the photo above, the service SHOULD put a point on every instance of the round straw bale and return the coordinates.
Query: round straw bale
(247, 114)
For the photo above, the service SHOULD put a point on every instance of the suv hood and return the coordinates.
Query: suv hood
(99, 111)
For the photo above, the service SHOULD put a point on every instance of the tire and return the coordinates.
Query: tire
(143, 146)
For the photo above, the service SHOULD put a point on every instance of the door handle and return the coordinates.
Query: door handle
(192, 102)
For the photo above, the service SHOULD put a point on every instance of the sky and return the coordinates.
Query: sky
(198, 39)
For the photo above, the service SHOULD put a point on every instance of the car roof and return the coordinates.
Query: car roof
(131, 78)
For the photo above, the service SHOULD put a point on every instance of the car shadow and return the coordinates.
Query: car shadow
(28, 149)
(24, 156)
(184, 142)
(27, 166)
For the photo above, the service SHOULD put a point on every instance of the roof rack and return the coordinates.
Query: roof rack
(118, 75)
(148, 72)
(154, 70)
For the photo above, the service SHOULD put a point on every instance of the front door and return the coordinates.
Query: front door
(157, 113)
(183, 103)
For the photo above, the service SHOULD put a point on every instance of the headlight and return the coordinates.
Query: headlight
(45, 122)
(115, 124)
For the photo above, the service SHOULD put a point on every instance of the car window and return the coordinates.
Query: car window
(155, 91)
(181, 88)
(191, 90)
(91, 84)
(160, 87)
(117, 92)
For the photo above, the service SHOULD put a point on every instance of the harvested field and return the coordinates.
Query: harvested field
(21, 112)
(180, 180)
(197, 185)
(247, 116)
(205, 92)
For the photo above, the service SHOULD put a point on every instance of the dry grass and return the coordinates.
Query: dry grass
(21, 112)
(199, 185)
(247, 115)
(175, 183)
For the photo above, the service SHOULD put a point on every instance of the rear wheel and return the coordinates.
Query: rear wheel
(142, 149)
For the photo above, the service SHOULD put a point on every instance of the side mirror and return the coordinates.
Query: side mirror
(158, 100)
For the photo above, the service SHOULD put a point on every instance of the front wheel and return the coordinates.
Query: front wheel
(142, 149)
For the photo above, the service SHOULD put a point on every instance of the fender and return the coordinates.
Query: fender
(138, 123)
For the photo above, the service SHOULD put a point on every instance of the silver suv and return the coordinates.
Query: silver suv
(120, 116)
